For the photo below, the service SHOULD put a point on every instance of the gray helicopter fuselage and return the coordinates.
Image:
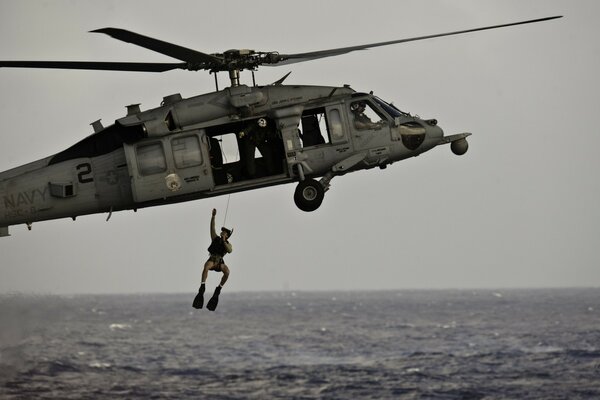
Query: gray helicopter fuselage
(174, 153)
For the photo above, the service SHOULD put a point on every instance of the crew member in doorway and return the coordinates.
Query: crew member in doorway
(260, 134)
(218, 248)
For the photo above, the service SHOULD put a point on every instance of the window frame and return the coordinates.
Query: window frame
(197, 151)
(144, 170)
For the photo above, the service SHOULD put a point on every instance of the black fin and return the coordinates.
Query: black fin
(199, 299)
(214, 300)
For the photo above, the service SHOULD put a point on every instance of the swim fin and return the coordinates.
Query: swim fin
(199, 299)
(214, 300)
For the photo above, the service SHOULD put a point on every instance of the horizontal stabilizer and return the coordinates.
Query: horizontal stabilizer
(453, 138)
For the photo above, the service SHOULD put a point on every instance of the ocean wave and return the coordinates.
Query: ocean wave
(88, 343)
(578, 353)
(121, 327)
(100, 365)
(53, 368)
(411, 347)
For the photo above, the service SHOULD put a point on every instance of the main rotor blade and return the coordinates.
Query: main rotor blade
(169, 49)
(300, 57)
(109, 66)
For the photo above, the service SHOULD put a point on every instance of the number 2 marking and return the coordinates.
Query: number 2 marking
(84, 169)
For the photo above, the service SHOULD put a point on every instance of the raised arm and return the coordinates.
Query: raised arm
(213, 233)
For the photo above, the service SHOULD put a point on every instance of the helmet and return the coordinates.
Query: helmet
(229, 232)
(262, 122)
(354, 107)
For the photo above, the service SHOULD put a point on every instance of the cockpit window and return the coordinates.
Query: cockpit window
(365, 116)
(391, 109)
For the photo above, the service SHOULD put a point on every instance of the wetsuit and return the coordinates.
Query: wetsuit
(217, 250)
(218, 247)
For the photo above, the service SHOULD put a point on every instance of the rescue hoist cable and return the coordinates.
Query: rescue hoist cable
(229, 195)
(226, 209)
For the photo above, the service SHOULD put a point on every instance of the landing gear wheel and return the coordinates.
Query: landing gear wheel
(309, 195)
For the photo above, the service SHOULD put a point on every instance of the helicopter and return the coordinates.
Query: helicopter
(174, 153)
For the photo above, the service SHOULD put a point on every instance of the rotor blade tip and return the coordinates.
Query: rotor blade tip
(103, 30)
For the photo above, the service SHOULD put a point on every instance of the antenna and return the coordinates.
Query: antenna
(216, 80)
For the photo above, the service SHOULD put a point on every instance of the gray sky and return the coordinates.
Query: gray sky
(520, 209)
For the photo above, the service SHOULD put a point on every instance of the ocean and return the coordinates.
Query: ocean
(405, 344)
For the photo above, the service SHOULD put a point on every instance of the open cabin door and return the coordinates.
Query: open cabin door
(171, 166)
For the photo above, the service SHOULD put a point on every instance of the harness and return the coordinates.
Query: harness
(217, 247)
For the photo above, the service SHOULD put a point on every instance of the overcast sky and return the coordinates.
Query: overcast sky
(520, 209)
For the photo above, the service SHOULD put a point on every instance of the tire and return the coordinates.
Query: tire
(309, 195)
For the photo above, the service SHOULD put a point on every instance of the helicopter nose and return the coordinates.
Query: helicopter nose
(420, 135)
(434, 132)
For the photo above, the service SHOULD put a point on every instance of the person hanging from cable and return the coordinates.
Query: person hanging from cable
(218, 248)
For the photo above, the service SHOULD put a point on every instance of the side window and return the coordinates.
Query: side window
(228, 148)
(319, 126)
(151, 158)
(313, 128)
(335, 125)
(186, 152)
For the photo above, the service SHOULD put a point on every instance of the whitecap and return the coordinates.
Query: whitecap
(543, 349)
(99, 365)
(451, 325)
(114, 327)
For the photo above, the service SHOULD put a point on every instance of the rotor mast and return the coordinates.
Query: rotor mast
(234, 77)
